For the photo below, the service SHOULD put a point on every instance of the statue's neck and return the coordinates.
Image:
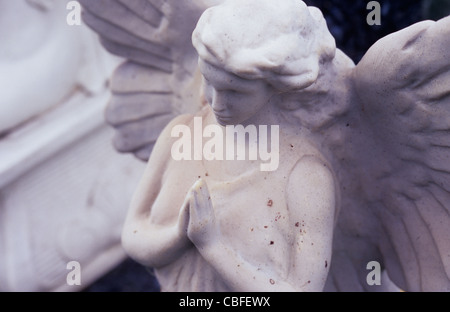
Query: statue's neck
(269, 114)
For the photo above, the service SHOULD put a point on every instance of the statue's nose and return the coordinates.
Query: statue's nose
(218, 102)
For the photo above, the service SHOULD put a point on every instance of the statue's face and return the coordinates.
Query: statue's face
(233, 99)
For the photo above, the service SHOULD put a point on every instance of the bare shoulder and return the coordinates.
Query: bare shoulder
(313, 169)
(311, 186)
(166, 139)
(159, 157)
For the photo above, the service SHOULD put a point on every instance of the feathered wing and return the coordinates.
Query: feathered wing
(159, 78)
(396, 168)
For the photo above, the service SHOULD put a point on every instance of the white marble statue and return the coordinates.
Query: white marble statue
(45, 59)
(360, 154)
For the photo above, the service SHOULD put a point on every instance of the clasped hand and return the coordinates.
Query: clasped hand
(197, 219)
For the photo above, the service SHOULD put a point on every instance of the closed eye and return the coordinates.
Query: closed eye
(232, 91)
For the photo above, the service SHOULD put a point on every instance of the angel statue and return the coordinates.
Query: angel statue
(359, 166)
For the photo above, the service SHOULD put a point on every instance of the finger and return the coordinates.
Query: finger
(202, 202)
(206, 196)
(193, 226)
(184, 215)
(198, 184)
(193, 209)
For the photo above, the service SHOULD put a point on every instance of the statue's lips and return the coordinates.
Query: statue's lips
(224, 120)
(221, 116)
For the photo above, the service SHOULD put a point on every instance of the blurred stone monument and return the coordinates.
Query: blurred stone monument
(64, 190)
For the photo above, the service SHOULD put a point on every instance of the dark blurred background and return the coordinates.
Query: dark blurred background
(347, 21)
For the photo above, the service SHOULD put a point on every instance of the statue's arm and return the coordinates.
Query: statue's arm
(148, 242)
(311, 195)
(311, 202)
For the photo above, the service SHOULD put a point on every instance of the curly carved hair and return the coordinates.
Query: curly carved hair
(283, 42)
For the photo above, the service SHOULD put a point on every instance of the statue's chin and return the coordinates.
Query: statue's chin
(225, 121)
